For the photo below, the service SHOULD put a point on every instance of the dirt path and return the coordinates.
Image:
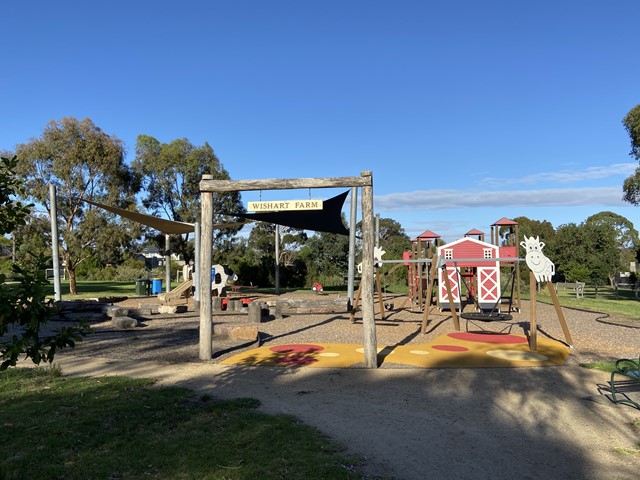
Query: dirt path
(437, 423)
(493, 423)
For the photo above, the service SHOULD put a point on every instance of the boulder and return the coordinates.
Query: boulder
(114, 311)
(171, 309)
(124, 322)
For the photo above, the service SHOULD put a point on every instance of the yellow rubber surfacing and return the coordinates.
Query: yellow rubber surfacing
(454, 350)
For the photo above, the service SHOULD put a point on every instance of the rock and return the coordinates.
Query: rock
(113, 311)
(236, 331)
(152, 307)
(124, 322)
(171, 309)
(142, 311)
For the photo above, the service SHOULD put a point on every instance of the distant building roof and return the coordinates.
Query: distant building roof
(504, 221)
(474, 231)
(426, 235)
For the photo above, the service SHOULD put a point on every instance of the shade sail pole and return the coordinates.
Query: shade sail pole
(352, 244)
(167, 263)
(196, 263)
(55, 252)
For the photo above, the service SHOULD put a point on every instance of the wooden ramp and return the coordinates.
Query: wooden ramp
(182, 290)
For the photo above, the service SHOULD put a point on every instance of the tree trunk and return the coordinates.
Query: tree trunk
(71, 270)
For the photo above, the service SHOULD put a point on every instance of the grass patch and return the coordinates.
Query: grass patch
(623, 303)
(605, 366)
(93, 289)
(120, 428)
(634, 452)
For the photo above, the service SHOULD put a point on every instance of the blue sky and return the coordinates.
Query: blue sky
(465, 111)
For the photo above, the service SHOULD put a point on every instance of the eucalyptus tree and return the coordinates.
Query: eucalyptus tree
(171, 174)
(626, 236)
(631, 186)
(81, 161)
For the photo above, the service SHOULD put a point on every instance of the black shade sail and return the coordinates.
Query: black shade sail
(329, 219)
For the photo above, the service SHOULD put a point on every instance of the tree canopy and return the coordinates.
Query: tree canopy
(81, 161)
(171, 174)
(585, 253)
(631, 186)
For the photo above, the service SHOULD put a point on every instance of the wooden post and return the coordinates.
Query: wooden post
(167, 263)
(366, 284)
(380, 297)
(254, 310)
(561, 319)
(365, 181)
(204, 271)
(216, 304)
(452, 307)
(356, 301)
(433, 273)
(533, 328)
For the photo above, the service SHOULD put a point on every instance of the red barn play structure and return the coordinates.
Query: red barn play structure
(461, 260)
(472, 265)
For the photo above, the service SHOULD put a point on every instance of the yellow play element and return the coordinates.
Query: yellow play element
(456, 350)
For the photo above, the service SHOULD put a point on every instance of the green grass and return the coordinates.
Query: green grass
(93, 289)
(623, 304)
(119, 428)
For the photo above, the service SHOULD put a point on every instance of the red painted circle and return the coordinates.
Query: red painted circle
(296, 360)
(297, 348)
(450, 348)
(487, 337)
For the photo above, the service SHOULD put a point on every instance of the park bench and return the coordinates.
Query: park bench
(621, 390)
(578, 287)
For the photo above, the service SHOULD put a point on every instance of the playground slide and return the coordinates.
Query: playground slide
(177, 293)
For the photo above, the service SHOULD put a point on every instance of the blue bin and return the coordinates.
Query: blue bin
(156, 286)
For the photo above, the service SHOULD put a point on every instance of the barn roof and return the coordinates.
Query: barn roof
(467, 240)
(474, 231)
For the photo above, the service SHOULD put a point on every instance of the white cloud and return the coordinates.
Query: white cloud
(450, 199)
(566, 176)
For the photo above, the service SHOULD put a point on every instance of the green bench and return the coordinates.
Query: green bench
(630, 370)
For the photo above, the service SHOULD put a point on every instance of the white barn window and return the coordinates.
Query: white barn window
(488, 253)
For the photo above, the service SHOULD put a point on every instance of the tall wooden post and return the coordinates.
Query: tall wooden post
(277, 272)
(208, 186)
(533, 325)
(561, 319)
(368, 314)
(204, 272)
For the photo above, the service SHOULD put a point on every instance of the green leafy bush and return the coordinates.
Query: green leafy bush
(24, 309)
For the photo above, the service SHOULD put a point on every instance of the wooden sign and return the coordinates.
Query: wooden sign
(284, 205)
